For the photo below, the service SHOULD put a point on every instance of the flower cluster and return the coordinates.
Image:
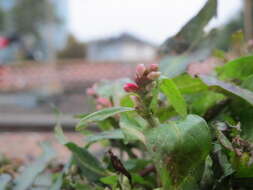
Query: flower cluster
(101, 102)
(144, 77)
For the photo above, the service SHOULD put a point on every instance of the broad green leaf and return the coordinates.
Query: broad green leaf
(137, 179)
(4, 180)
(248, 83)
(239, 68)
(171, 91)
(242, 167)
(200, 102)
(126, 101)
(187, 84)
(112, 134)
(181, 147)
(58, 132)
(193, 30)
(135, 165)
(132, 127)
(154, 102)
(91, 167)
(110, 180)
(195, 27)
(173, 66)
(235, 90)
(244, 111)
(165, 113)
(101, 115)
(25, 180)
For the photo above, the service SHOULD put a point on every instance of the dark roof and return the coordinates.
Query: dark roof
(122, 37)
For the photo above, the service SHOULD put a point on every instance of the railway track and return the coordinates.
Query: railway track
(35, 122)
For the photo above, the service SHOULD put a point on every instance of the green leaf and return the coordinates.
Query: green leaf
(188, 85)
(137, 179)
(109, 180)
(248, 83)
(126, 101)
(239, 68)
(112, 134)
(168, 87)
(91, 167)
(193, 30)
(181, 147)
(25, 180)
(200, 102)
(58, 132)
(154, 102)
(235, 90)
(244, 111)
(195, 27)
(172, 66)
(101, 115)
(132, 127)
(4, 180)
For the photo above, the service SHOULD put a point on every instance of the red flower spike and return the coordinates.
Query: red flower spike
(154, 67)
(131, 87)
(140, 70)
(154, 75)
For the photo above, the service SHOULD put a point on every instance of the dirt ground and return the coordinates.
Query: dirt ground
(25, 145)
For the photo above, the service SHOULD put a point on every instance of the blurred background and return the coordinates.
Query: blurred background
(51, 51)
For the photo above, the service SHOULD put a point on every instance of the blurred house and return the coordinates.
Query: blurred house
(49, 34)
(125, 47)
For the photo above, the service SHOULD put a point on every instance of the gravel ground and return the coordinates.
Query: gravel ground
(25, 145)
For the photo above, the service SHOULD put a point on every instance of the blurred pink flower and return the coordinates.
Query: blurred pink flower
(140, 70)
(104, 102)
(90, 91)
(154, 75)
(154, 67)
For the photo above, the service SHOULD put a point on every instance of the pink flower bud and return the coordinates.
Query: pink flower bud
(131, 87)
(104, 102)
(90, 91)
(154, 75)
(99, 107)
(154, 67)
(140, 70)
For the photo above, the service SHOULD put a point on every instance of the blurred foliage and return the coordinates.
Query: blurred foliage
(189, 36)
(2, 19)
(29, 16)
(73, 49)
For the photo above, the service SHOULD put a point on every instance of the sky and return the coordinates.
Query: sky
(152, 20)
